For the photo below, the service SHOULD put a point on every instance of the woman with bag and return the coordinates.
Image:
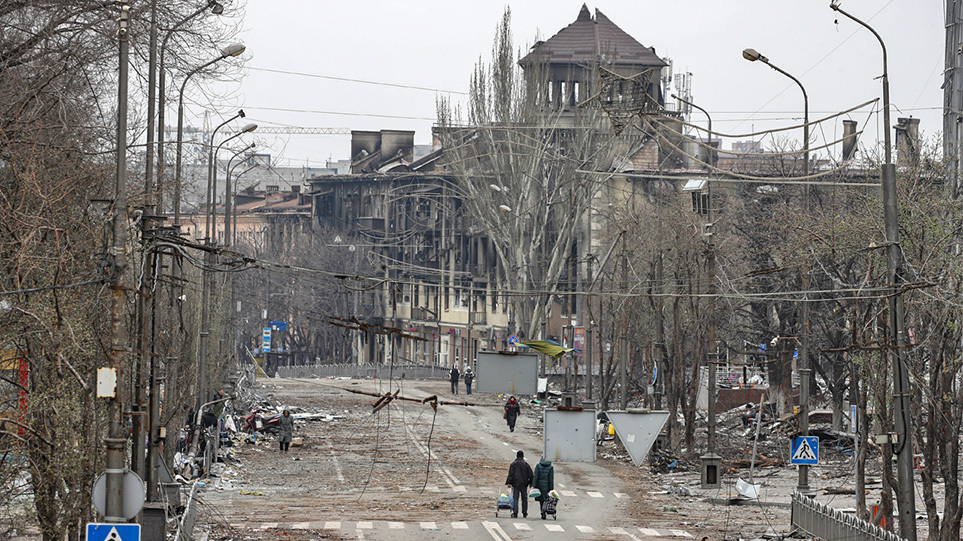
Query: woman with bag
(544, 480)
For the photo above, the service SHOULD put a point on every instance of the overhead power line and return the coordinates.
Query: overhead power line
(362, 81)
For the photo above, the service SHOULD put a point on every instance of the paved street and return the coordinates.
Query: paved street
(363, 476)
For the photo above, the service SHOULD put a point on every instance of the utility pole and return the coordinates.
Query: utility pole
(115, 441)
(953, 94)
(623, 358)
(140, 420)
(903, 447)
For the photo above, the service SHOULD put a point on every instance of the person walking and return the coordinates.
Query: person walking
(544, 480)
(285, 431)
(512, 411)
(453, 378)
(519, 478)
(469, 378)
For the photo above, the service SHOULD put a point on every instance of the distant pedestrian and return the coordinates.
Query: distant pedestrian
(544, 480)
(285, 431)
(512, 411)
(469, 378)
(453, 378)
(519, 478)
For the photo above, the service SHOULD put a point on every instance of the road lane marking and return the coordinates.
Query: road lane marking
(595, 494)
(300, 525)
(568, 493)
(459, 525)
(496, 531)
(396, 525)
(554, 528)
(365, 525)
(521, 526)
(585, 529)
(332, 525)
(428, 526)
(649, 532)
(621, 531)
(620, 494)
(267, 525)
(680, 533)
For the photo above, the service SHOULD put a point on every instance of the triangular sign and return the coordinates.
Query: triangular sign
(637, 430)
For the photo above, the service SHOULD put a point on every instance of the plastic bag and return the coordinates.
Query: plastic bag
(553, 494)
(534, 493)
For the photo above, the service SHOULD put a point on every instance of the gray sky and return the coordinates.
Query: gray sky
(435, 44)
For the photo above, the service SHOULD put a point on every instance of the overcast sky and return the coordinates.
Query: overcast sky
(434, 44)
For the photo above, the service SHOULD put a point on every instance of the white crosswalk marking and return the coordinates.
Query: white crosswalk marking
(428, 526)
(649, 532)
(618, 531)
(300, 526)
(365, 525)
(554, 528)
(396, 525)
(568, 493)
(522, 526)
(680, 533)
(585, 529)
(459, 525)
(595, 494)
(620, 494)
(267, 525)
(332, 525)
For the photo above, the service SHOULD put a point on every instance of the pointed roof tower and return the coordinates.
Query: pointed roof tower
(587, 41)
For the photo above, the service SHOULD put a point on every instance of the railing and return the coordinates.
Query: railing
(824, 522)
(185, 528)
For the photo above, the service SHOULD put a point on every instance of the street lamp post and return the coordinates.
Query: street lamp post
(233, 50)
(711, 459)
(209, 193)
(804, 371)
(236, 178)
(228, 195)
(216, 9)
(906, 493)
(116, 440)
(207, 279)
(212, 182)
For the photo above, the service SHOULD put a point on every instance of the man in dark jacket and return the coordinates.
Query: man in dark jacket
(519, 478)
(544, 480)
(453, 378)
(469, 378)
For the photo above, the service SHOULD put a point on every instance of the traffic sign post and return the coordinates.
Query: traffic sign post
(805, 451)
(113, 532)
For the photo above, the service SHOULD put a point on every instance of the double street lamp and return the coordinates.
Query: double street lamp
(212, 172)
(804, 371)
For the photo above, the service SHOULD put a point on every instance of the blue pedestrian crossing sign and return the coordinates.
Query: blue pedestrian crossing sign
(113, 532)
(805, 451)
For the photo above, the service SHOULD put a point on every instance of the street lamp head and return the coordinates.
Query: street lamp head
(240, 113)
(495, 187)
(752, 55)
(248, 128)
(505, 208)
(233, 50)
(216, 7)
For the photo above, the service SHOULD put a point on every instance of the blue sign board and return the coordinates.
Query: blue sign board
(279, 325)
(513, 340)
(805, 451)
(113, 532)
(266, 339)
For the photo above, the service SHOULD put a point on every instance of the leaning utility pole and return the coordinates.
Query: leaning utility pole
(115, 441)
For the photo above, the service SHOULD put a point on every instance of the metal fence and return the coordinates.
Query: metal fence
(185, 528)
(824, 522)
(364, 371)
